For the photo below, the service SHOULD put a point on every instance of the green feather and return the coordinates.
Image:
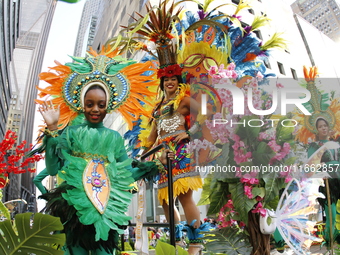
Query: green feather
(259, 21)
(276, 41)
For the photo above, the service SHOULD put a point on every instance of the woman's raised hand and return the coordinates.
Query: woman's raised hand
(50, 114)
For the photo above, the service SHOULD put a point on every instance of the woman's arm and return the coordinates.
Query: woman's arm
(313, 147)
(140, 170)
(190, 106)
(152, 137)
(51, 117)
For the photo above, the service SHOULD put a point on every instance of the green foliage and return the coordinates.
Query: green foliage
(337, 250)
(262, 154)
(241, 202)
(284, 134)
(258, 191)
(3, 210)
(273, 184)
(218, 196)
(337, 218)
(127, 246)
(204, 200)
(223, 159)
(229, 241)
(167, 249)
(247, 132)
(35, 235)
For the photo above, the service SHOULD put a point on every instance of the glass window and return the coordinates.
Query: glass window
(281, 68)
(294, 74)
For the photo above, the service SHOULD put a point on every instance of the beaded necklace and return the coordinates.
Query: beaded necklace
(164, 109)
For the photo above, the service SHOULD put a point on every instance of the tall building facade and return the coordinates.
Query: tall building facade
(35, 17)
(116, 13)
(91, 17)
(9, 33)
(322, 14)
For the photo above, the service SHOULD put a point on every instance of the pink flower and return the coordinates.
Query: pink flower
(213, 70)
(279, 85)
(221, 69)
(235, 146)
(238, 158)
(286, 148)
(262, 136)
(229, 204)
(274, 146)
(259, 209)
(288, 179)
(241, 224)
(247, 191)
(205, 144)
(249, 180)
(259, 76)
(234, 75)
(235, 137)
(231, 66)
(238, 172)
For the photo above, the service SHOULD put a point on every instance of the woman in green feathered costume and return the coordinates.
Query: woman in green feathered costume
(92, 161)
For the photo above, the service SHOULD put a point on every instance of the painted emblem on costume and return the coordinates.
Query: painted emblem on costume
(97, 184)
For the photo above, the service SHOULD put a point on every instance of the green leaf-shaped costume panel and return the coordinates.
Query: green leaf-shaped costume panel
(74, 201)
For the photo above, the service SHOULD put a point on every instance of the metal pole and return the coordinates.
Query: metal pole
(150, 152)
(328, 194)
(122, 240)
(171, 204)
(170, 191)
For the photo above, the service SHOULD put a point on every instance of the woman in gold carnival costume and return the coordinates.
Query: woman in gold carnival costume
(321, 125)
(90, 158)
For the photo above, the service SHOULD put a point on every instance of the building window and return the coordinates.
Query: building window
(258, 34)
(251, 11)
(235, 1)
(266, 63)
(294, 73)
(281, 69)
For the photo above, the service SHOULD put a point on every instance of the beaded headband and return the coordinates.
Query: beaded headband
(116, 86)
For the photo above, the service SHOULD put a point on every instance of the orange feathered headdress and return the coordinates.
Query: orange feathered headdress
(319, 109)
(125, 81)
